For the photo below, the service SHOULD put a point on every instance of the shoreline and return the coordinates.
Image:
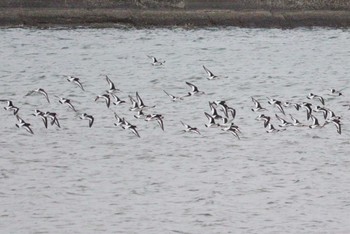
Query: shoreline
(102, 17)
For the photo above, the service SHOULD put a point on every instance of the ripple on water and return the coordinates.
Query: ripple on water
(290, 182)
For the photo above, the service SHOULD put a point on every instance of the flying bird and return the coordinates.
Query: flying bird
(76, 81)
(39, 91)
(211, 76)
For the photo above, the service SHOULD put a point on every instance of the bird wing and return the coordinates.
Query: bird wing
(185, 125)
(169, 94)
(193, 87)
(160, 123)
(91, 121)
(77, 82)
(110, 83)
(207, 71)
(139, 100)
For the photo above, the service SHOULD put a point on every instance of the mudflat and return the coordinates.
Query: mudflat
(172, 17)
(144, 13)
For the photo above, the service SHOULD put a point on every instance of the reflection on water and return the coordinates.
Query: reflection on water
(104, 179)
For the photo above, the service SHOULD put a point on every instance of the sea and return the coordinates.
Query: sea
(104, 179)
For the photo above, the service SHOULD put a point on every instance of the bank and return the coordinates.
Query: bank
(167, 13)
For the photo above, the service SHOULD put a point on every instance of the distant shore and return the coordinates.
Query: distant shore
(167, 13)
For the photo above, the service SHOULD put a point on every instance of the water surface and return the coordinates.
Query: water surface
(104, 179)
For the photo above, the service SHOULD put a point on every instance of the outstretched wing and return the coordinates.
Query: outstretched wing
(210, 74)
(110, 83)
(193, 87)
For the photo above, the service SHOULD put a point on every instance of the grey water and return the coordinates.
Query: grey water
(104, 179)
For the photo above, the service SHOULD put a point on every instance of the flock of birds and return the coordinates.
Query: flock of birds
(221, 115)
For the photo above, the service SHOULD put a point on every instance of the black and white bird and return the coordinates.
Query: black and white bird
(105, 97)
(194, 90)
(173, 98)
(119, 120)
(308, 107)
(214, 112)
(227, 110)
(272, 129)
(140, 103)
(88, 117)
(296, 122)
(53, 117)
(332, 116)
(131, 127)
(157, 117)
(289, 104)
(211, 123)
(323, 110)
(314, 96)
(10, 107)
(336, 92)
(190, 129)
(231, 111)
(42, 115)
(258, 106)
(233, 129)
(337, 124)
(264, 118)
(68, 102)
(134, 104)
(117, 100)
(225, 121)
(284, 123)
(140, 115)
(276, 103)
(39, 91)
(22, 124)
(112, 88)
(315, 123)
(76, 81)
(155, 61)
(211, 76)
(220, 103)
